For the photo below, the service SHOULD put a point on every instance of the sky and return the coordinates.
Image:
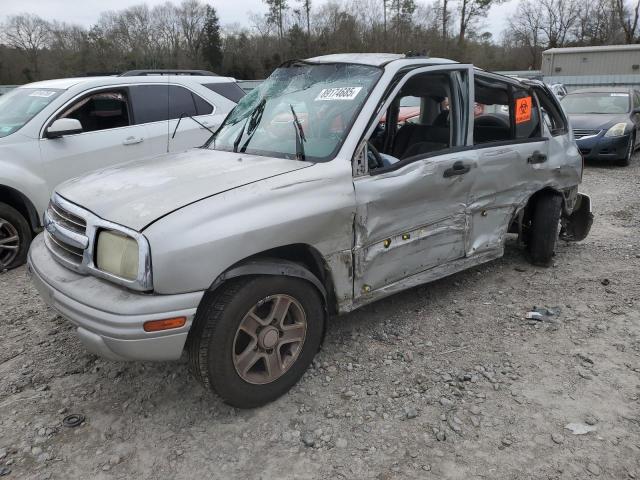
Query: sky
(85, 12)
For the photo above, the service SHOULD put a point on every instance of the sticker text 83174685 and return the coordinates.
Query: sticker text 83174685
(339, 93)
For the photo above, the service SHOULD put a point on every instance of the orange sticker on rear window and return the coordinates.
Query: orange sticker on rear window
(523, 109)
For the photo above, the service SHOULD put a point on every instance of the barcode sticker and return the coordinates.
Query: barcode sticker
(340, 93)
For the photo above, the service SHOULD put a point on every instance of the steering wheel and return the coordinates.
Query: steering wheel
(374, 159)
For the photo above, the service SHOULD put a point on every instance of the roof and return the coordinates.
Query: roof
(602, 90)
(375, 59)
(67, 83)
(602, 48)
(379, 59)
(63, 83)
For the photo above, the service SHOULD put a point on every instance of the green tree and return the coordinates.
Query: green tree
(212, 43)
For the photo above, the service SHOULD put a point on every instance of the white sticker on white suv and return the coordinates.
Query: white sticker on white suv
(340, 93)
(42, 93)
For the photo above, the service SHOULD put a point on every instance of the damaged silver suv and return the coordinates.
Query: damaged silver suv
(318, 194)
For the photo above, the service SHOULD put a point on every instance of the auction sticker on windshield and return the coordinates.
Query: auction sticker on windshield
(340, 93)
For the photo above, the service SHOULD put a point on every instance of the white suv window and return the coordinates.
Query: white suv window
(101, 111)
(156, 103)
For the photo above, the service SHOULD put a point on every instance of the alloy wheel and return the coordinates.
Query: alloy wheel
(269, 339)
(9, 243)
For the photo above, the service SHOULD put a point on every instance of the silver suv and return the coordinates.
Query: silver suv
(305, 204)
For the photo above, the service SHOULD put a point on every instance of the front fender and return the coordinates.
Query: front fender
(26, 183)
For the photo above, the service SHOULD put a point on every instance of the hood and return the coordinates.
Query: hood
(137, 193)
(597, 121)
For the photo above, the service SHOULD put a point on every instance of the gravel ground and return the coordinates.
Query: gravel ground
(448, 380)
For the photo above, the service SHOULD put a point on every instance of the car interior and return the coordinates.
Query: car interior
(429, 132)
(100, 111)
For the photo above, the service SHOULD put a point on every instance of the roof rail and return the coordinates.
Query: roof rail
(145, 73)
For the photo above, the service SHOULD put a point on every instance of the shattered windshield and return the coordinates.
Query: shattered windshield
(303, 111)
(22, 104)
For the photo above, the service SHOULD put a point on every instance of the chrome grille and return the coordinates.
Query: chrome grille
(65, 233)
(68, 219)
(584, 132)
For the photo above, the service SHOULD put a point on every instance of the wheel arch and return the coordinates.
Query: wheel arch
(295, 260)
(21, 203)
(522, 214)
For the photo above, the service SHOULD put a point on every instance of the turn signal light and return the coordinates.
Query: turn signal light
(166, 324)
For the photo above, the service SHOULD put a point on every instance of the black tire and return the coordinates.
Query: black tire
(543, 234)
(210, 345)
(626, 161)
(12, 223)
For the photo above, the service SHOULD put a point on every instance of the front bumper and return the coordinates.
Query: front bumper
(109, 319)
(600, 147)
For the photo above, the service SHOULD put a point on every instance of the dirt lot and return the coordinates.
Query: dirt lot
(448, 380)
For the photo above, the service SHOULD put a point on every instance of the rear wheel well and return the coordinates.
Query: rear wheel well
(522, 217)
(21, 203)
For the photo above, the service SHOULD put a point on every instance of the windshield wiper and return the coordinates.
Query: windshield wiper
(300, 138)
(252, 125)
(182, 115)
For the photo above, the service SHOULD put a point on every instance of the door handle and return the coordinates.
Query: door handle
(132, 140)
(537, 157)
(458, 168)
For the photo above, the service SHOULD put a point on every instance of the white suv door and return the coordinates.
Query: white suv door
(108, 137)
(159, 107)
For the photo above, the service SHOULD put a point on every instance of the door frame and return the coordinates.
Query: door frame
(360, 167)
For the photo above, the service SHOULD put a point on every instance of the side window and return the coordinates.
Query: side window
(229, 90)
(636, 99)
(503, 112)
(181, 102)
(525, 115)
(156, 103)
(420, 121)
(100, 111)
(551, 115)
(202, 106)
(492, 115)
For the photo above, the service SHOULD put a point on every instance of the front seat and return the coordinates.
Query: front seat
(414, 139)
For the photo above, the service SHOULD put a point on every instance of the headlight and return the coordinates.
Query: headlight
(617, 130)
(117, 254)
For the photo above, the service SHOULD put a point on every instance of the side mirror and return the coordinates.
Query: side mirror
(62, 127)
(635, 110)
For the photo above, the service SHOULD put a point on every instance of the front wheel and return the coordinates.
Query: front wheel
(254, 338)
(15, 237)
(544, 229)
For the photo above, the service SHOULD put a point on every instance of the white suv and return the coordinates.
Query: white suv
(55, 130)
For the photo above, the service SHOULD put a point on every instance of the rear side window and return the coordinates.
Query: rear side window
(156, 103)
(503, 112)
(203, 107)
(551, 115)
(492, 115)
(229, 90)
(525, 114)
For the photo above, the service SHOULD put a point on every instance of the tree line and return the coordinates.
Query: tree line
(190, 35)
